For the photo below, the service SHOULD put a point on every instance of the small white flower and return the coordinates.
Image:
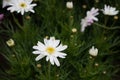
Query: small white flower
(93, 51)
(69, 5)
(51, 49)
(10, 42)
(89, 19)
(108, 10)
(21, 6)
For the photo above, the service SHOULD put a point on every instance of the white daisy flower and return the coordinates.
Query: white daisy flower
(108, 10)
(93, 51)
(89, 19)
(51, 49)
(21, 6)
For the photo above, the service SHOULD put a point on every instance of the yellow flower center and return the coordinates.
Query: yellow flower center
(23, 5)
(50, 50)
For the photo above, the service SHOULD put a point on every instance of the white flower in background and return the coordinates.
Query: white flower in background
(85, 22)
(10, 42)
(6, 3)
(92, 14)
(21, 6)
(69, 5)
(51, 49)
(89, 19)
(93, 51)
(108, 10)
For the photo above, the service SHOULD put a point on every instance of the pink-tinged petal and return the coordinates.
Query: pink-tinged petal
(39, 57)
(56, 61)
(1, 16)
(95, 19)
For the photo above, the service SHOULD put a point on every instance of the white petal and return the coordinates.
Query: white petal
(56, 61)
(84, 24)
(40, 47)
(41, 44)
(29, 1)
(5, 3)
(32, 11)
(51, 41)
(46, 42)
(39, 57)
(36, 52)
(51, 60)
(56, 43)
(47, 58)
(32, 5)
(61, 47)
(22, 12)
(35, 47)
(60, 54)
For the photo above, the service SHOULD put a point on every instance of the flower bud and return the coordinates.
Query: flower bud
(74, 30)
(96, 64)
(38, 65)
(116, 17)
(69, 5)
(93, 51)
(10, 42)
(104, 72)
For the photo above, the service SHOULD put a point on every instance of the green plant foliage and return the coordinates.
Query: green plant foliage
(52, 18)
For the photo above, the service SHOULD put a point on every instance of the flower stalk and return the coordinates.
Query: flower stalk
(105, 27)
(49, 71)
(16, 21)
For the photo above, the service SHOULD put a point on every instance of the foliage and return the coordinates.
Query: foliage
(52, 18)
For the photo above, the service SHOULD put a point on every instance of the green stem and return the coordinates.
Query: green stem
(109, 28)
(49, 71)
(106, 19)
(113, 23)
(16, 55)
(16, 21)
